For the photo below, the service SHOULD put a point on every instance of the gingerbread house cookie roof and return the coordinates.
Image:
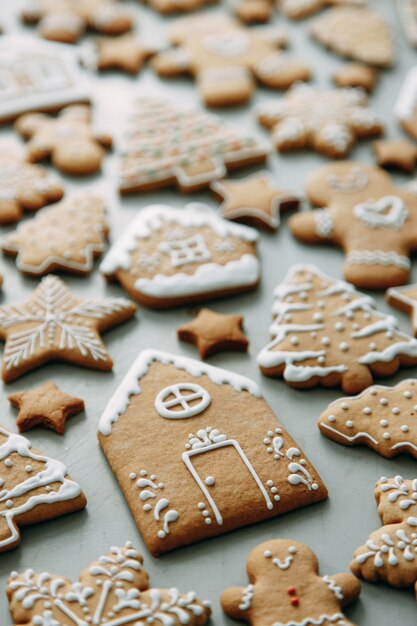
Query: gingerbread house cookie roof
(130, 385)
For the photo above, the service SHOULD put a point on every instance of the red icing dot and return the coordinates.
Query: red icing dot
(295, 601)
(291, 591)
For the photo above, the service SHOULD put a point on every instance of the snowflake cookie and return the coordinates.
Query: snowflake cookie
(113, 591)
(285, 589)
(67, 236)
(169, 256)
(390, 553)
(382, 418)
(33, 488)
(225, 57)
(169, 144)
(55, 325)
(328, 121)
(69, 140)
(326, 333)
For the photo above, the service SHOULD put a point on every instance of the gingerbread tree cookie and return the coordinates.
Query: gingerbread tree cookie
(112, 591)
(328, 121)
(170, 144)
(224, 57)
(285, 589)
(382, 418)
(326, 333)
(54, 324)
(405, 299)
(34, 488)
(390, 553)
(68, 140)
(67, 236)
(373, 220)
(66, 20)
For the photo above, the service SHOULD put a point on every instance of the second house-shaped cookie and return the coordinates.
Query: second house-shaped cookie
(198, 452)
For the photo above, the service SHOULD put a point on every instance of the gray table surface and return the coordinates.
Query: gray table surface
(334, 528)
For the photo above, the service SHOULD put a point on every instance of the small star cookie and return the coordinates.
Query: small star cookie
(356, 75)
(213, 332)
(398, 153)
(45, 406)
(254, 11)
(254, 200)
(125, 53)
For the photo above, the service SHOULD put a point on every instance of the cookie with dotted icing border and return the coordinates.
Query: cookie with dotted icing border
(168, 256)
(225, 58)
(390, 553)
(33, 488)
(327, 333)
(366, 214)
(285, 589)
(113, 591)
(382, 418)
(190, 458)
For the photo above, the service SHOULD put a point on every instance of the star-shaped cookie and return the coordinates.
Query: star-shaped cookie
(46, 406)
(405, 299)
(398, 153)
(55, 325)
(125, 53)
(213, 332)
(356, 75)
(254, 200)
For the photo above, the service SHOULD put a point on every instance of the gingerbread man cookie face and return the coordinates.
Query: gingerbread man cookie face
(286, 589)
(326, 333)
(390, 554)
(382, 418)
(224, 57)
(366, 214)
(68, 140)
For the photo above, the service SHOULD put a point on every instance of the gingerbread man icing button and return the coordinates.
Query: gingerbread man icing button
(362, 211)
(285, 589)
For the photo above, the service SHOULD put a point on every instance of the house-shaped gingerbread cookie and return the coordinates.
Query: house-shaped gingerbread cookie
(198, 452)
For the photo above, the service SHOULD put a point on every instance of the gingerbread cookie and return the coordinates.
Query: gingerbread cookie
(356, 33)
(69, 140)
(254, 11)
(382, 418)
(45, 406)
(227, 469)
(213, 332)
(67, 236)
(114, 590)
(405, 109)
(38, 76)
(398, 153)
(224, 57)
(298, 9)
(328, 121)
(356, 75)
(168, 256)
(285, 589)
(407, 10)
(34, 488)
(66, 20)
(169, 7)
(390, 554)
(326, 333)
(368, 216)
(170, 144)
(24, 186)
(254, 200)
(126, 54)
(55, 325)
(405, 299)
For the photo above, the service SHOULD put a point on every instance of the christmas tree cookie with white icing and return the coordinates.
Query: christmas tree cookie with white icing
(169, 256)
(33, 488)
(198, 452)
(285, 589)
(112, 591)
(327, 333)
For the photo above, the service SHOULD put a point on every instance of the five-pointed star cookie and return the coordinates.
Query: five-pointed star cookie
(405, 299)
(356, 75)
(54, 324)
(396, 153)
(254, 200)
(125, 53)
(213, 332)
(46, 406)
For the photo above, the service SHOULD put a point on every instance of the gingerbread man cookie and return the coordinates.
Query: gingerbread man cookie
(328, 121)
(326, 333)
(69, 140)
(224, 57)
(285, 589)
(112, 591)
(368, 216)
(390, 553)
(382, 418)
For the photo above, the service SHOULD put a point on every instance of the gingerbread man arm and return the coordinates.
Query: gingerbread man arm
(28, 126)
(350, 586)
(231, 602)
(316, 226)
(172, 62)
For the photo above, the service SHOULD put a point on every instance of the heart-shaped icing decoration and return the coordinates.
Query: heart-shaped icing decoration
(387, 212)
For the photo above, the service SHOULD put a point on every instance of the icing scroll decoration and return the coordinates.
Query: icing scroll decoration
(149, 495)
